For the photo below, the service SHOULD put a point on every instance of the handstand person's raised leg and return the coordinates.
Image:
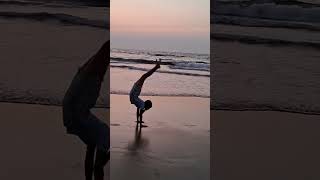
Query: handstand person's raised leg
(148, 74)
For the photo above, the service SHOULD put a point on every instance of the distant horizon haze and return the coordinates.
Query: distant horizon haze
(160, 25)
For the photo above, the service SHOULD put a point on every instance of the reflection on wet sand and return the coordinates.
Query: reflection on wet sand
(166, 149)
(139, 142)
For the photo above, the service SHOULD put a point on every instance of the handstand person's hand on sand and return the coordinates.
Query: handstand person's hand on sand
(141, 105)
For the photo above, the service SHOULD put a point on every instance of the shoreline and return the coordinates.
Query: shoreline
(211, 108)
(98, 106)
(266, 110)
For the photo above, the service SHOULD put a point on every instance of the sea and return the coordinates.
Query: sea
(265, 55)
(181, 74)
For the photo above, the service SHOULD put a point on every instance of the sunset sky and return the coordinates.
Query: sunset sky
(163, 25)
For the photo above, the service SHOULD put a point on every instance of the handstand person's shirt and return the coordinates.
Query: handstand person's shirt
(134, 96)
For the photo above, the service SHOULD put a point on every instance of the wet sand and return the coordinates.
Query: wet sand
(40, 59)
(265, 145)
(248, 144)
(36, 146)
(175, 145)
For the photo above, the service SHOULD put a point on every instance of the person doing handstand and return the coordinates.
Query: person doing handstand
(141, 105)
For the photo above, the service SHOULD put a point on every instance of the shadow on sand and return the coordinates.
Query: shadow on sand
(139, 142)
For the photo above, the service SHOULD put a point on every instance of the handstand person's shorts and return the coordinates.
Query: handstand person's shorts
(134, 96)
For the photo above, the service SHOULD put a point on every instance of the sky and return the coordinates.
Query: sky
(161, 25)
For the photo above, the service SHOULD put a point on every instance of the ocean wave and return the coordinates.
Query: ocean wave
(60, 17)
(33, 97)
(140, 61)
(263, 107)
(270, 11)
(258, 22)
(159, 71)
(199, 66)
(172, 64)
(96, 3)
(147, 55)
(41, 98)
(160, 94)
(163, 61)
(261, 40)
(244, 3)
(58, 3)
(21, 3)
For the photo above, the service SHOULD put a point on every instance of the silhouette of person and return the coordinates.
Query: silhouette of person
(141, 105)
(80, 121)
